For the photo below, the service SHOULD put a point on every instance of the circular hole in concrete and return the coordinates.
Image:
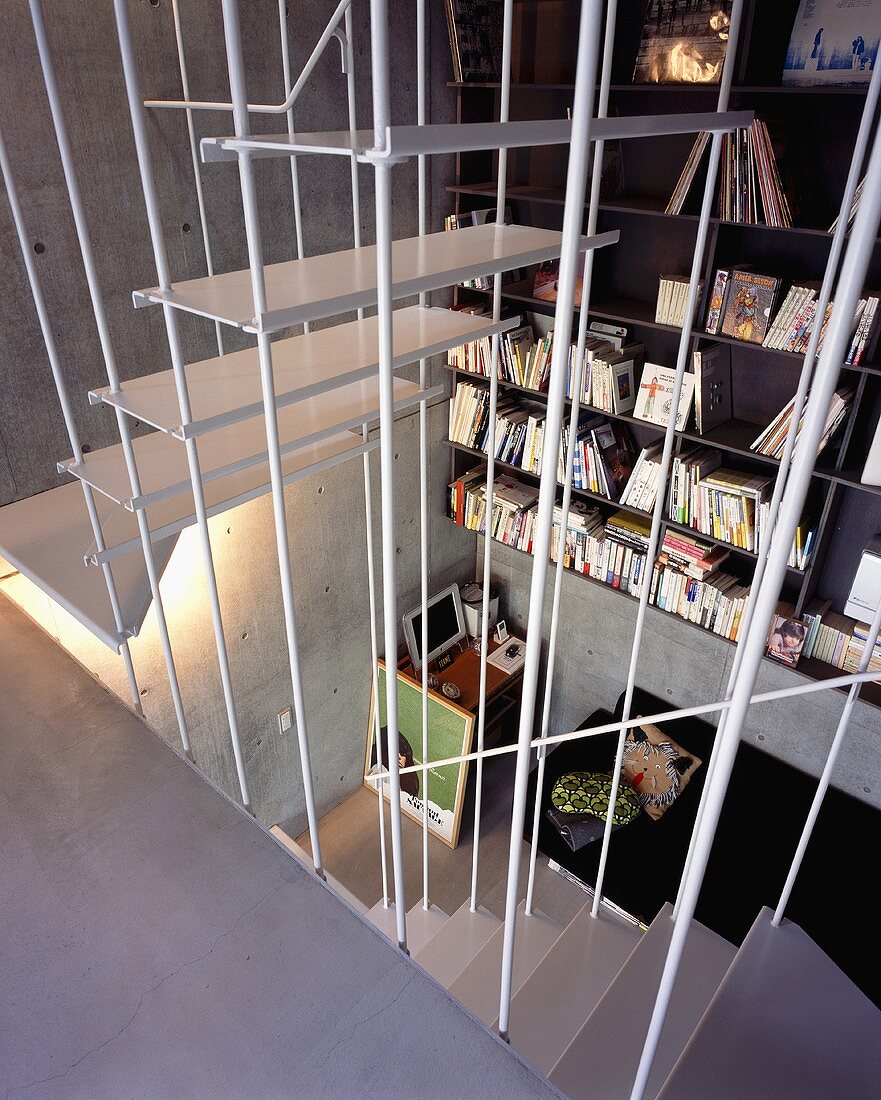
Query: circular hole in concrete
(760, 737)
(154, 3)
(229, 530)
(867, 790)
(245, 635)
(396, 454)
(669, 691)
(86, 448)
(335, 690)
(259, 740)
(187, 228)
(590, 653)
(326, 589)
(320, 489)
(39, 248)
(144, 691)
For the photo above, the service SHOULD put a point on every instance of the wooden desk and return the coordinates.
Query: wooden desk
(464, 672)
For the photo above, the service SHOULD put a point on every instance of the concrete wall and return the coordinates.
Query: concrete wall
(326, 512)
(683, 666)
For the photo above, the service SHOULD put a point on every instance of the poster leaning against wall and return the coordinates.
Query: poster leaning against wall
(450, 730)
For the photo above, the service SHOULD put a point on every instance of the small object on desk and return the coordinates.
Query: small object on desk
(502, 631)
(450, 690)
(444, 661)
(433, 681)
(510, 658)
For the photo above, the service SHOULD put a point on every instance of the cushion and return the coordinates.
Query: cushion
(588, 793)
(657, 768)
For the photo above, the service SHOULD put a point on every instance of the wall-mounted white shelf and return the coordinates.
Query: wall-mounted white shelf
(340, 282)
(47, 536)
(162, 460)
(226, 389)
(408, 141)
(173, 514)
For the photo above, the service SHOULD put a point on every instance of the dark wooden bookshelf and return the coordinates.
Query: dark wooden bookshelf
(653, 242)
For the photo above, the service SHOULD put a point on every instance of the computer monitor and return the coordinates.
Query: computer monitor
(446, 626)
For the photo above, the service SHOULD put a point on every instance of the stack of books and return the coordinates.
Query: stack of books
(583, 543)
(772, 440)
(642, 487)
(683, 184)
(728, 505)
(625, 550)
(856, 648)
(672, 296)
(716, 603)
(604, 456)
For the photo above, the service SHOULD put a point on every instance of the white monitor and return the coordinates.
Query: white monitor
(446, 626)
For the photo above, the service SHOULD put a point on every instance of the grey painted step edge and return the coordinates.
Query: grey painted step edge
(452, 948)
(559, 995)
(479, 984)
(785, 1021)
(601, 1061)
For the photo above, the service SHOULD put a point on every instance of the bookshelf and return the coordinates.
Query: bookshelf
(815, 129)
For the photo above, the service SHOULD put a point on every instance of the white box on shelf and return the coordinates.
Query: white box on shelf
(865, 592)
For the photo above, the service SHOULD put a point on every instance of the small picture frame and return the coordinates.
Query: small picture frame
(501, 631)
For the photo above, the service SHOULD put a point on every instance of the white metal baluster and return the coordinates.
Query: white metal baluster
(592, 216)
(838, 242)
(145, 167)
(374, 654)
(67, 414)
(295, 173)
(486, 581)
(856, 263)
(590, 24)
(383, 183)
(826, 777)
(421, 164)
(194, 155)
(91, 270)
(669, 437)
(235, 62)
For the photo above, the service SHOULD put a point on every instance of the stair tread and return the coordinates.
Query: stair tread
(601, 1061)
(423, 925)
(450, 950)
(560, 994)
(477, 987)
(785, 1022)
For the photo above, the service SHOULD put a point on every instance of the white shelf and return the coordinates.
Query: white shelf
(46, 538)
(162, 461)
(402, 142)
(227, 389)
(340, 282)
(173, 514)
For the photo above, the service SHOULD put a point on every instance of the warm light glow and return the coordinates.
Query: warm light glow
(687, 65)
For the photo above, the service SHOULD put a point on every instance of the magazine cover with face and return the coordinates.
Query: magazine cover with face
(683, 42)
(749, 306)
(833, 42)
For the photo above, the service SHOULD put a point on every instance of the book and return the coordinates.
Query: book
(772, 440)
(712, 386)
(687, 177)
(683, 42)
(787, 637)
(672, 299)
(718, 296)
(654, 399)
(547, 278)
(833, 42)
(749, 304)
(475, 29)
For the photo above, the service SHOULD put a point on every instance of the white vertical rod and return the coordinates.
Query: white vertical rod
(235, 62)
(486, 578)
(589, 35)
(826, 777)
(421, 165)
(856, 262)
(91, 270)
(353, 127)
(295, 173)
(374, 655)
(383, 185)
(172, 331)
(194, 156)
(838, 241)
(592, 217)
(67, 413)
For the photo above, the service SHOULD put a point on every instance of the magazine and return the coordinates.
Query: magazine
(749, 304)
(833, 42)
(683, 42)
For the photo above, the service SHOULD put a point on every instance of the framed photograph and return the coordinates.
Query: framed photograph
(787, 640)
(450, 730)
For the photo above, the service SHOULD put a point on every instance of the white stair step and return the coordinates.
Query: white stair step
(47, 536)
(559, 995)
(422, 924)
(227, 388)
(305, 858)
(162, 460)
(601, 1061)
(453, 947)
(477, 987)
(785, 1022)
(339, 282)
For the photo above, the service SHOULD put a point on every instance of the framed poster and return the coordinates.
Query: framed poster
(450, 729)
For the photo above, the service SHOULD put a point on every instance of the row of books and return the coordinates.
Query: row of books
(672, 297)
(772, 440)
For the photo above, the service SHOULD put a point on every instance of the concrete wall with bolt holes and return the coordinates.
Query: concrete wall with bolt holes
(326, 512)
(684, 668)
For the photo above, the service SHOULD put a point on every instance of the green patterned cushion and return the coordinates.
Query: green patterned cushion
(588, 793)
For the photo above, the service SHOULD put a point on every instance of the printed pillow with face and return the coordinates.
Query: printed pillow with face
(657, 768)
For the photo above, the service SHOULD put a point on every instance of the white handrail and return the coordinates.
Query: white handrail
(846, 680)
(330, 31)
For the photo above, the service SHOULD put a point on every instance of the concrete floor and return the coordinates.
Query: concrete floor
(155, 942)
